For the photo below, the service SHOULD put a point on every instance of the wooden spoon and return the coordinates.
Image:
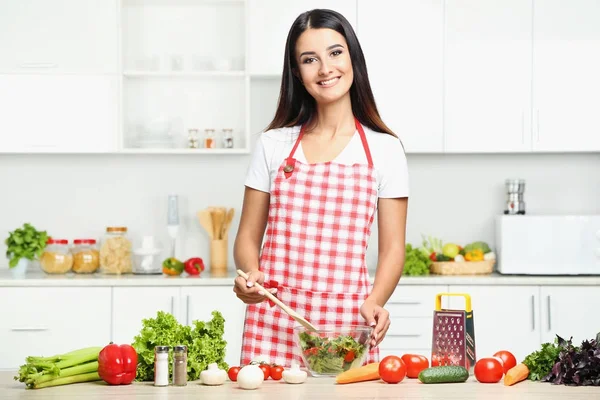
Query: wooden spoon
(206, 222)
(227, 223)
(297, 317)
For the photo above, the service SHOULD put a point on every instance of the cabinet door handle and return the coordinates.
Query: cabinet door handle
(187, 311)
(533, 313)
(407, 335)
(549, 313)
(37, 65)
(407, 303)
(522, 126)
(537, 123)
(173, 305)
(29, 329)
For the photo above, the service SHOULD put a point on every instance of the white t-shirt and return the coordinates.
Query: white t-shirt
(387, 153)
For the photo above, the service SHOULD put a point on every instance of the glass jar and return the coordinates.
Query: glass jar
(56, 258)
(228, 138)
(115, 251)
(193, 138)
(209, 139)
(179, 365)
(161, 366)
(86, 257)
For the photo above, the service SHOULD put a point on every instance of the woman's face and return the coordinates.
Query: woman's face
(324, 64)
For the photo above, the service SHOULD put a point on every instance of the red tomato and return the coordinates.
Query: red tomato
(276, 372)
(233, 373)
(488, 370)
(414, 364)
(507, 358)
(266, 370)
(349, 357)
(392, 369)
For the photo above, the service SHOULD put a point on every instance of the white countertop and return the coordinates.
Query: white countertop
(39, 278)
(313, 388)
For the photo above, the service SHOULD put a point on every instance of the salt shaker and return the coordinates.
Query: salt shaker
(161, 366)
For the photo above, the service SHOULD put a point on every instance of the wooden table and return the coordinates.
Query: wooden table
(312, 389)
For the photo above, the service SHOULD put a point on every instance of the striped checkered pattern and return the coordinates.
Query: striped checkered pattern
(318, 228)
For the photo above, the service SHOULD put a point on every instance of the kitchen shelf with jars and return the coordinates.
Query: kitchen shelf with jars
(185, 89)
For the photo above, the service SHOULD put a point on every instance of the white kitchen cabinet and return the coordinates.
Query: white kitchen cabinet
(44, 321)
(66, 36)
(132, 304)
(200, 302)
(269, 22)
(566, 83)
(411, 320)
(58, 113)
(505, 318)
(488, 76)
(569, 311)
(406, 73)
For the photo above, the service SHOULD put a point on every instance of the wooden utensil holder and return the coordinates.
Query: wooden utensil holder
(218, 257)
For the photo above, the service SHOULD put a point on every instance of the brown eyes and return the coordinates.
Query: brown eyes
(310, 60)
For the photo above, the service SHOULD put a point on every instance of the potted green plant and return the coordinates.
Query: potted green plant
(24, 245)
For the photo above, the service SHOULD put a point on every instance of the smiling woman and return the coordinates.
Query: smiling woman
(322, 169)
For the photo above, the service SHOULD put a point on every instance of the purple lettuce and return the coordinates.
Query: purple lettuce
(576, 366)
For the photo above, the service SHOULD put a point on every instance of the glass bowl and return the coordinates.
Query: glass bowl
(333, 349)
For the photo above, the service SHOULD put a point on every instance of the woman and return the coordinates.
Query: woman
(321, 169)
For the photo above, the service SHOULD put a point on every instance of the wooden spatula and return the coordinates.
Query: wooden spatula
(297, 317)
(206, 221)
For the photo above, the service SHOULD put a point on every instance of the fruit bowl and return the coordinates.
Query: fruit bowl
(333, 349)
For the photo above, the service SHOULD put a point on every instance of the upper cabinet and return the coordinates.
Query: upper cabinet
(403, 49)
(66, 36)
(566, 82)
(488, 76)
(269, 22)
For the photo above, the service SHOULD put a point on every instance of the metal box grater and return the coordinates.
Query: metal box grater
(453, 339)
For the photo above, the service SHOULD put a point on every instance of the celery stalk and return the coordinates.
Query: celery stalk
(66, 356)
(71, 371)
(89, 377)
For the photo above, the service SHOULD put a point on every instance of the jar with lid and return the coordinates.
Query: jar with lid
(209, 139)
(179, 365)
(86, 257)
(115, 251)
(161, 366)
(56, 258)
(193, 138)
(228, 138)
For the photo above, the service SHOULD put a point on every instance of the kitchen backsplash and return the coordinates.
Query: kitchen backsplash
(454, 197)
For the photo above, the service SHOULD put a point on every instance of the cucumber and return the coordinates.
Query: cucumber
(444, 374)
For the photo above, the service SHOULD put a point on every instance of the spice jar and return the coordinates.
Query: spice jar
(179, 365)
(193, 138)
(115, 251)
(209, 138)
(86, 257)
(228, 138)
(161, 366)
(56, 258)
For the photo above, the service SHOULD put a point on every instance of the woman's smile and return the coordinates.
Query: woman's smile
(329, 82)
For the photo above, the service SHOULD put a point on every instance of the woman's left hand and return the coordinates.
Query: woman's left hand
(377, 317)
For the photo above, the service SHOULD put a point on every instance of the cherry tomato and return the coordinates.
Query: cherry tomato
(392, 369)
(507, 358)
(488, 370)
(233, 373)
(350, 356)
(276, 372)
(266, 370)
(414, 364)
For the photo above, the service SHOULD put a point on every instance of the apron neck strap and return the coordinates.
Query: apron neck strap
(361, 132)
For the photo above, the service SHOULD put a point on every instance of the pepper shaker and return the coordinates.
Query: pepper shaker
(180, 366)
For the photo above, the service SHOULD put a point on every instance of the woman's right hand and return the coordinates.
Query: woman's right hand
(247, 291)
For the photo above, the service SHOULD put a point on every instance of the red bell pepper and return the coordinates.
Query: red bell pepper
(194, 266)
(117, 364)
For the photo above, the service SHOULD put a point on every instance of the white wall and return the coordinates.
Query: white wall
(454, 197)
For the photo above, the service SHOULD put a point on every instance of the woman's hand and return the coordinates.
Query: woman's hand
(247, 291)
(377, 317)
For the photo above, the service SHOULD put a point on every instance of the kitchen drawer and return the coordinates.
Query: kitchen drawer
(399, 352)
(413, 301)
(409, 333)
(48, 321)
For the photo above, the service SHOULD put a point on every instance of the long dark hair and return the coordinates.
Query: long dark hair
(296, 106)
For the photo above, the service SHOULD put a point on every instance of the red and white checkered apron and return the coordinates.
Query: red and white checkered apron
(319, 223)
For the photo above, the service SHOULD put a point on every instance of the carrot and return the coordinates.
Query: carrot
(369, 372)
(516, 374)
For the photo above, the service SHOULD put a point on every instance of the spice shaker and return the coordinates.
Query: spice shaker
(209, 139)
(228, 138)
(179, 365)
(161, 366)
(193, 138)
